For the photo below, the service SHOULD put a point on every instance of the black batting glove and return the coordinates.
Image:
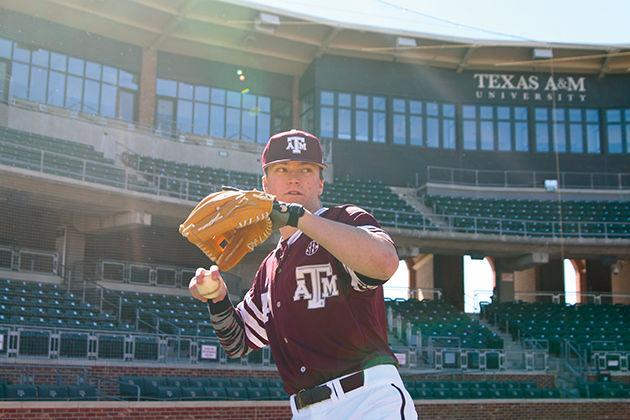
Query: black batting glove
(285, 214)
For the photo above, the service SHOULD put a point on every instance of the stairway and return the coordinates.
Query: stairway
(514, 356)
(409, 195)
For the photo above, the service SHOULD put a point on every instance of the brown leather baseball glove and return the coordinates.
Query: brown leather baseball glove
(228, 224)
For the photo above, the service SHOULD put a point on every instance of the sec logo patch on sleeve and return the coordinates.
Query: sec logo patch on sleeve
(312, 248)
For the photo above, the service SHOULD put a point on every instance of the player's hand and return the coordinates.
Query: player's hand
(208, 284)
(285, 214)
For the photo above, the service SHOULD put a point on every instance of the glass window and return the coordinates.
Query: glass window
(433, 131)
(126, 105)
(218, 96)
(234, 99)
(264, 127)
(202, 93)
(469, 111)
(487, 135)
(415, 130)
(344, 124)
(521, 142)
(75, 66)
(3, 76)
(560, 137)
(58, 61)
(432, 108)
(448, 111)
(264, 104)
(327, 98)
(248, 127)
(415, 107)
(615, 141)
(217, 119)
(184, 116)
(91, 99)
(93, 70)
(185, 90)
(40, 58)
(399, 105)
(249, 102)
(542, 137)
(19, 80)
(166, 87)
(576, 138)
(108, 100)
(449, 133)
(200, 117)
(165, 114)
(378, 103)
(56, 88)
(362, 124)
(592, 138)
(37, 88)
(361, 101)
(21, 53)
(505, 136)
(378, 126)
(74, 93)
(233, 126)
(344, 99)
(327, 124)
(470, 134)
(5, 48)
(110, 75)
(127, 80)
(400, 128)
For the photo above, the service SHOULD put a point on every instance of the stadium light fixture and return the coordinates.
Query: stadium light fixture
(404, 42)
(266, 22)
(542, 53)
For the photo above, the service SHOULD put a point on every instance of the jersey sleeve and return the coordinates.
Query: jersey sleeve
(240, 330)
(356, 216)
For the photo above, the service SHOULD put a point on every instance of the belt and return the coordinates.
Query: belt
(306, 397)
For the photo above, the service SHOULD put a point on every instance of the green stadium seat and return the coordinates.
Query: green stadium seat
(276, 393)
(21, 392)
(215, 393)
(193, 393)
(257, 393)
(236, 393)
(169, 393)
(82, 392)
(52, 392)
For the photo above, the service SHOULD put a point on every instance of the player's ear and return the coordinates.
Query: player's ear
(264, 183)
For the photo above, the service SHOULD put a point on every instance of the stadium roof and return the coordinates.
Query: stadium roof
(266, 36)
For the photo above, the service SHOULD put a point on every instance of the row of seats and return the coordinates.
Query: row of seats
(29, 392)
(52, 144)
(588, 326)
(438, 318)
(534, 217)
(207, 388)
(605, 389)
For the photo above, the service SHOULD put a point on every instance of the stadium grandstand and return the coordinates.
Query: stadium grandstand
(116, 118)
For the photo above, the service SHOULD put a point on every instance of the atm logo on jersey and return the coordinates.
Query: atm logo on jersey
(315, 283)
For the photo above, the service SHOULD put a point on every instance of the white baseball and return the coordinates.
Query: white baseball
(209, 285)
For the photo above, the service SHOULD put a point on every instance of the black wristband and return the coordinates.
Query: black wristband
(295, 212)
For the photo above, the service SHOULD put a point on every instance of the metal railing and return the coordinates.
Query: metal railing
(559, 297)
(525, 179)
(29, 260)
(183, 189)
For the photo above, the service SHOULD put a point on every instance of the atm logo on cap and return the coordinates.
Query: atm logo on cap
(296, 144)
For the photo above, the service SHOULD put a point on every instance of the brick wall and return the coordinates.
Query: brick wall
(246, 410)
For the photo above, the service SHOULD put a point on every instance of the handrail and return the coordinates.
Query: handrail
(527, 179)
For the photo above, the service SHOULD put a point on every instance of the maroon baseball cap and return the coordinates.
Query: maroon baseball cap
(293, 145)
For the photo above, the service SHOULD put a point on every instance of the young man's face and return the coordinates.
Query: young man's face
(295, 182)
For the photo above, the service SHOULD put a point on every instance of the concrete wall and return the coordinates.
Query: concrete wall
(621, 282)
(525, 281)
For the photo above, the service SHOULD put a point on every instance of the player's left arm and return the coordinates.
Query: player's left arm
(367, 251)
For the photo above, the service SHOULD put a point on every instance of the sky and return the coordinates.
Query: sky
(603, 22)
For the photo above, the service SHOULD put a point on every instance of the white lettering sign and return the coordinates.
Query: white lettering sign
(208, 351)
(538, 88)
(402, 358)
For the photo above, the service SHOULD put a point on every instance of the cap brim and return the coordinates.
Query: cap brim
(321, 165)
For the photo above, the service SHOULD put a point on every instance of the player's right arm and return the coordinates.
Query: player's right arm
(240, 330)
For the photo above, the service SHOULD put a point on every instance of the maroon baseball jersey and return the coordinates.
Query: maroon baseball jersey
(320, 318)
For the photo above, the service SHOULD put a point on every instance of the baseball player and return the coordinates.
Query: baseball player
(317, 299)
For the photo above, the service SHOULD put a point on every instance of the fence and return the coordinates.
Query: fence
(526, 179)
